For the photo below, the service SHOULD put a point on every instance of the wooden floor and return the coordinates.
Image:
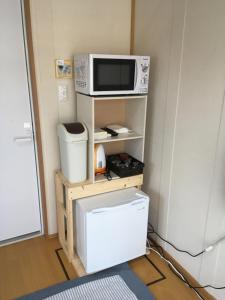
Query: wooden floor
(38, 263)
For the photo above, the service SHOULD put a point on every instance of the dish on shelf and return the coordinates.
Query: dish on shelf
(100, 134)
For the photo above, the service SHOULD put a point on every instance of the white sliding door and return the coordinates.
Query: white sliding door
(19, 195)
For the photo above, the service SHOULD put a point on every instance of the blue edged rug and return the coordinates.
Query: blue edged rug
(119, 283)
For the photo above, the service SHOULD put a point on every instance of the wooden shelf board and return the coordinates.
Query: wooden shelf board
(70, 184)
(120, 137)
(101, 177)
(104, 187)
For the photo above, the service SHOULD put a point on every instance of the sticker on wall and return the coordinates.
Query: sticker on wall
(63, 68)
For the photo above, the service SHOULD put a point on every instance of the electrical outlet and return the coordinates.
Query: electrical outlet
(62, 93)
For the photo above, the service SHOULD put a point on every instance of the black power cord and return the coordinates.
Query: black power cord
(108, 175)
(169, 263)
(152, 231)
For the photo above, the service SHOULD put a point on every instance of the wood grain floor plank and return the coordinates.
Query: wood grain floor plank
(29, 266)
(33, 264)
(144, 270)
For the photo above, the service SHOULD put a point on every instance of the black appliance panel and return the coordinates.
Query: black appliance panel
(113, 74)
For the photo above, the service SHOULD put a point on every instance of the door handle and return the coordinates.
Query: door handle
(23, 139)
(117, 207)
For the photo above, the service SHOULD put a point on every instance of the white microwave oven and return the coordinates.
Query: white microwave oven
(103, 74)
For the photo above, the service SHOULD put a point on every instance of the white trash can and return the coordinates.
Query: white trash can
(73, 151)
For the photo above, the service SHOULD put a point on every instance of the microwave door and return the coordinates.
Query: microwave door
(113, 75)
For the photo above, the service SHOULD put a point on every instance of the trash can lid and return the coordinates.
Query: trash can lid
(72, 132)
(74, 128)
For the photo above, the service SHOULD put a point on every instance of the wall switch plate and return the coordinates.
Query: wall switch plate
(62, 93)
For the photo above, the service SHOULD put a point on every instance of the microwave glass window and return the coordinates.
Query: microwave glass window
(114, 74)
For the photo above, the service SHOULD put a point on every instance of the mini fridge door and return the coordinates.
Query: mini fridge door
(115, 234)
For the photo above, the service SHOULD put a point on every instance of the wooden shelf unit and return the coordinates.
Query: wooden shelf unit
(129, 111)
(67, 194)
(97, 112)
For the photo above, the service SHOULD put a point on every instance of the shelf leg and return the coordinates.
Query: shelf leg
(59, 203)
(70, 233)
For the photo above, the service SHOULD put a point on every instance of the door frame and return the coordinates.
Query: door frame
(26, 15)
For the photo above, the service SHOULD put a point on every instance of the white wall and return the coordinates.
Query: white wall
(61, 29)
(185, 148)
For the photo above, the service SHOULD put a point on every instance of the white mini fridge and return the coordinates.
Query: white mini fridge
(111, 228)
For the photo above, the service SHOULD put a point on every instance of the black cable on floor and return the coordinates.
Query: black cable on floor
(152, 231)
(185, 279)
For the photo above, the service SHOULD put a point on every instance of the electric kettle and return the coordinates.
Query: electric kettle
(99, 159)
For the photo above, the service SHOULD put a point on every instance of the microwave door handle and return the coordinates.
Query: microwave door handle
(135, 74)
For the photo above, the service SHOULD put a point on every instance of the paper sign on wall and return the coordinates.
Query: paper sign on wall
(63, 68)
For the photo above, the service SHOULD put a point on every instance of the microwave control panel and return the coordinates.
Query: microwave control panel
(142, 80)
(81, 71)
